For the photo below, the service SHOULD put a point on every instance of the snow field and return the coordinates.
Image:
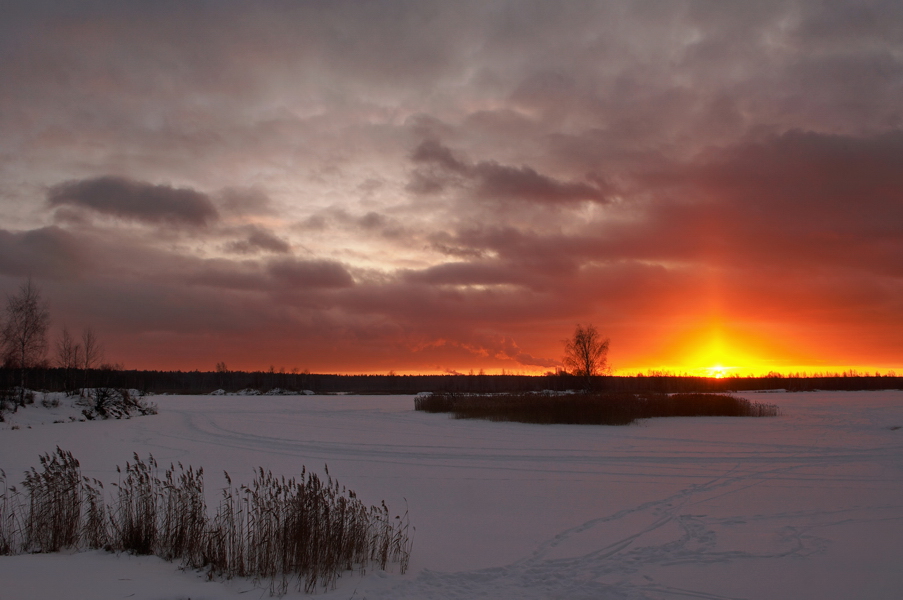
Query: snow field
(805, 505)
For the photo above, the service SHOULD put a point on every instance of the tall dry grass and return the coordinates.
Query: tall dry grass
(305, 530)
(589, 408)
(10, 521)
(55, 499)
(276, 527)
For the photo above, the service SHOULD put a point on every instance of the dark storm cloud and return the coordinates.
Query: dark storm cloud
(136, 200)
(493, 181)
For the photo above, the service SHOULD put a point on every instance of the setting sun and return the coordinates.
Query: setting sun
(717, 372)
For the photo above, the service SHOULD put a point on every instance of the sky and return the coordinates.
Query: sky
(429, 187)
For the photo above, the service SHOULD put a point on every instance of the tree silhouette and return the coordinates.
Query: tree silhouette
(586, 353)
(68, 358)
(92, 353)
(25, 331)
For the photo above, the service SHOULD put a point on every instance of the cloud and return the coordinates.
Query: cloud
(464, 273)
(492, 181)
(136, 200)
(504, 347)
(299, 275)
(371, 223)
(245, 201)
(525, 183)
(468, 172)
(811, 176)
(499, 347)
(433, 152)
(259, 240)
(46, 252)
(222, 274)
(800, 199)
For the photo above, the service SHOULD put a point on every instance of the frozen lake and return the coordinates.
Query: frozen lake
(805, 505)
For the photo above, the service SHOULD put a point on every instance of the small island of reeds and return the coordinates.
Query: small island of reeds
(589, 408)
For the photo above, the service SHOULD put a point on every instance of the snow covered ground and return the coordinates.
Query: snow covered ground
(805, 505)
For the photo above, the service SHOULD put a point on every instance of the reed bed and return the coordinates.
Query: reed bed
(590, 408)
(305, 530)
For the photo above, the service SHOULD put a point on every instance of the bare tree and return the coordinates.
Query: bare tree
(586, 353)
(222, 370)
(92, 352)
(68, 358)
(25, 331)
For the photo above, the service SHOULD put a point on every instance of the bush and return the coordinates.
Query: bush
(110, 403)
(275, 528)
(589, 408)
(50, 401)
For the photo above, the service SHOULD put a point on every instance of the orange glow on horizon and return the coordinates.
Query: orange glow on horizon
(720, 348)
(691, 345)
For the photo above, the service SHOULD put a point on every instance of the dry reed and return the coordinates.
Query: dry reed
(306, 530)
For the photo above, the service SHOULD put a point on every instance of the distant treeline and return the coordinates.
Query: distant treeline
(204, 382)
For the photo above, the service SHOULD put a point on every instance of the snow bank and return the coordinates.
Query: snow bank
(90, 404)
